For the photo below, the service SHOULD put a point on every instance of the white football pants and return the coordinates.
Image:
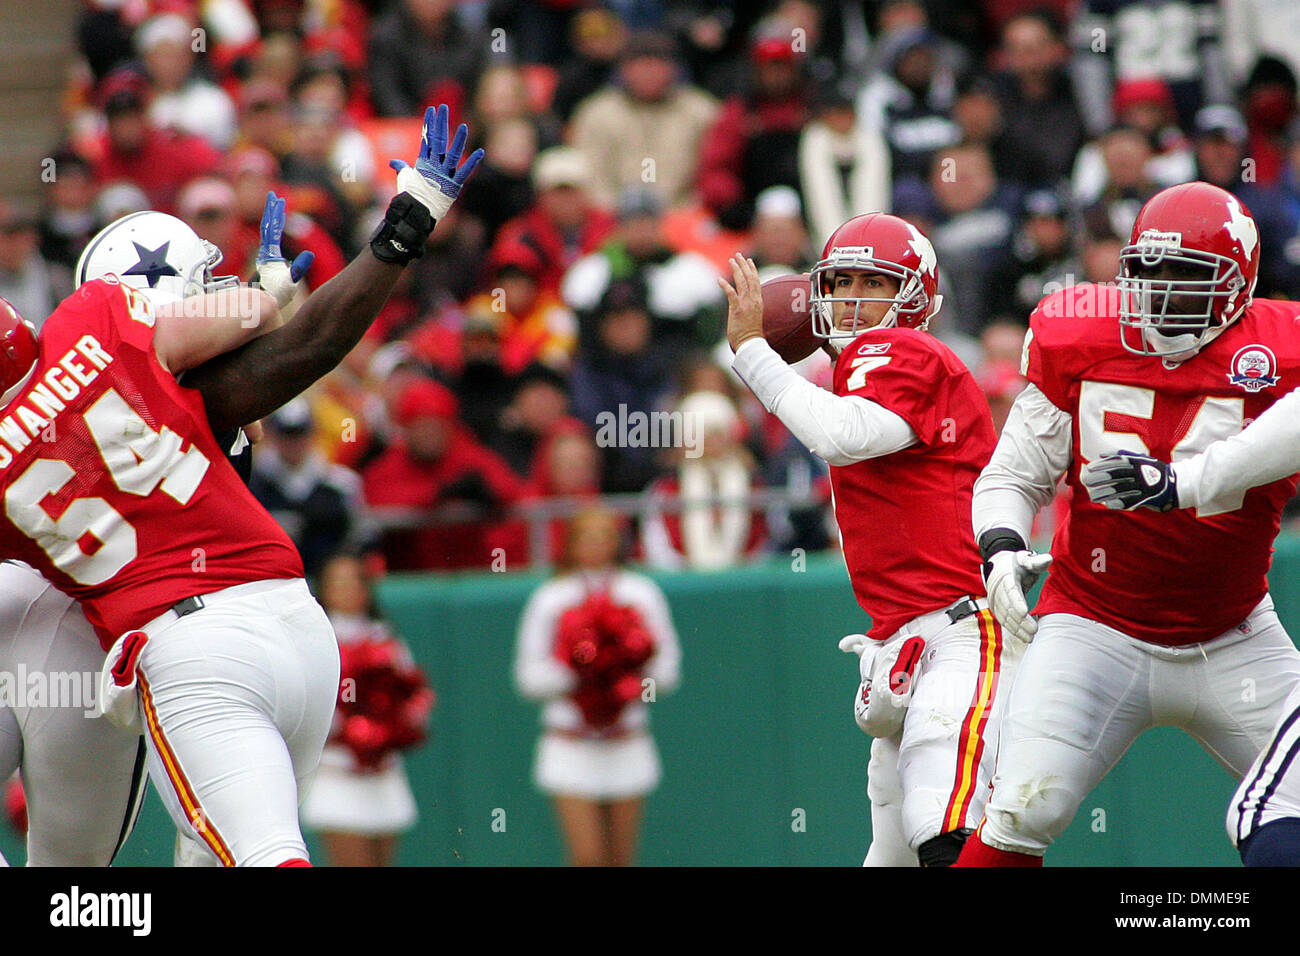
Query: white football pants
(1085, 691)
(237, 700)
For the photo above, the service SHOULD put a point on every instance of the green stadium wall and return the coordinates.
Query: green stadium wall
(763, 765)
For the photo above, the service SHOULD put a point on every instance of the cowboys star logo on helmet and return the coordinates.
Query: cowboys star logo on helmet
(156, 253)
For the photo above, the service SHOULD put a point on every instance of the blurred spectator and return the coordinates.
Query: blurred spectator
(1041, 126)
(1177, 41)
(1126, 156)
(1286, 196)
(32, 284)
(318, 504)
(899, 18)
(360, 798)
(1042, 258)
(264, 119)
(452, 266)
(713, 478)
(1100, 254)
(482, 387)
(502, 96)
(1220, 159)
(309, 172)
(596, 758)
(682, 292)
(754, 142)
(533, 323)
(420, 56)
(207, 205)
(779, 242)
(647, 129)
(182, 99)
(254, 172)
(978, 115)
(1269, 104)
(104, 34)
(540, 27)
(433, 463)
(323, 89)
(68, 221)
(538, 409)
(1257, 28)
(567, 465)
(117, 200)
(1147, 107)
(502, 185)
(596, 38)
(132, 149)
(974, 223)
(620, 372)
(910, 100)
(843, 163)
(563, 224)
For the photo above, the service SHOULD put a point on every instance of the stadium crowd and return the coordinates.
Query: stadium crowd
(632, 146)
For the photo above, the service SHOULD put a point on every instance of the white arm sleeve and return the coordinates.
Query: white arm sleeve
(1030, 458)
(538, 675)
(1268, 449)
(841, 429)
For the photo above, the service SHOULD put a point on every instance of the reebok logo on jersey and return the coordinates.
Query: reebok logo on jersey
(874, 348)
(74, 908)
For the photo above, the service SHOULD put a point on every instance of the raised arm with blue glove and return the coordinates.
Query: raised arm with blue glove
(274, 274)
(426, 190)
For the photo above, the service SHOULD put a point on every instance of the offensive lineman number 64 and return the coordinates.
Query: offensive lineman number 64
(138, 459)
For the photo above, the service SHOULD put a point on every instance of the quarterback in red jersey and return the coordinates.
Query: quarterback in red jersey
(1145, 620)
(906, 431)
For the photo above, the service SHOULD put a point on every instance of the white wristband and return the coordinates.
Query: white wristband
(420, 189)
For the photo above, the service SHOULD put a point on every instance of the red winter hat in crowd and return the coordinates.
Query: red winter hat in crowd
(1148, 90)
(425, 399)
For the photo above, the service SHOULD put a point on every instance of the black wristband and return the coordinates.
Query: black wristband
(401, 236)
(1000, 539)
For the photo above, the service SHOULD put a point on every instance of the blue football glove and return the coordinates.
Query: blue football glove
(274, 274)
(435, 179)
(1128, 480)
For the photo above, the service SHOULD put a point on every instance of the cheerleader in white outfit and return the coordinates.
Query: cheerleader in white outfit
(360, 808)
(596, 757)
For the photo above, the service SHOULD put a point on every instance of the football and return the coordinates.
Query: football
(787, 320)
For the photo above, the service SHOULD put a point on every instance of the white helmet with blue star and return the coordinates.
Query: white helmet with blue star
(156, 253)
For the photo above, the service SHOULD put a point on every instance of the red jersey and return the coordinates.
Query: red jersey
(905, 518)
(1188, 575)
(113, 485)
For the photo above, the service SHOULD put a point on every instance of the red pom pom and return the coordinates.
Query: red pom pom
(16, 805)
(384, 701)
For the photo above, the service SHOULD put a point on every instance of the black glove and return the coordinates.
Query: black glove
(1128, 480)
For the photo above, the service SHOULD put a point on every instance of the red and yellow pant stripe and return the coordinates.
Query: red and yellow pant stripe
(203, 826)
(970, 740)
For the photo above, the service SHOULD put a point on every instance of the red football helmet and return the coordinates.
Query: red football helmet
(880, 243)
(18, 351)
(1195, 247)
